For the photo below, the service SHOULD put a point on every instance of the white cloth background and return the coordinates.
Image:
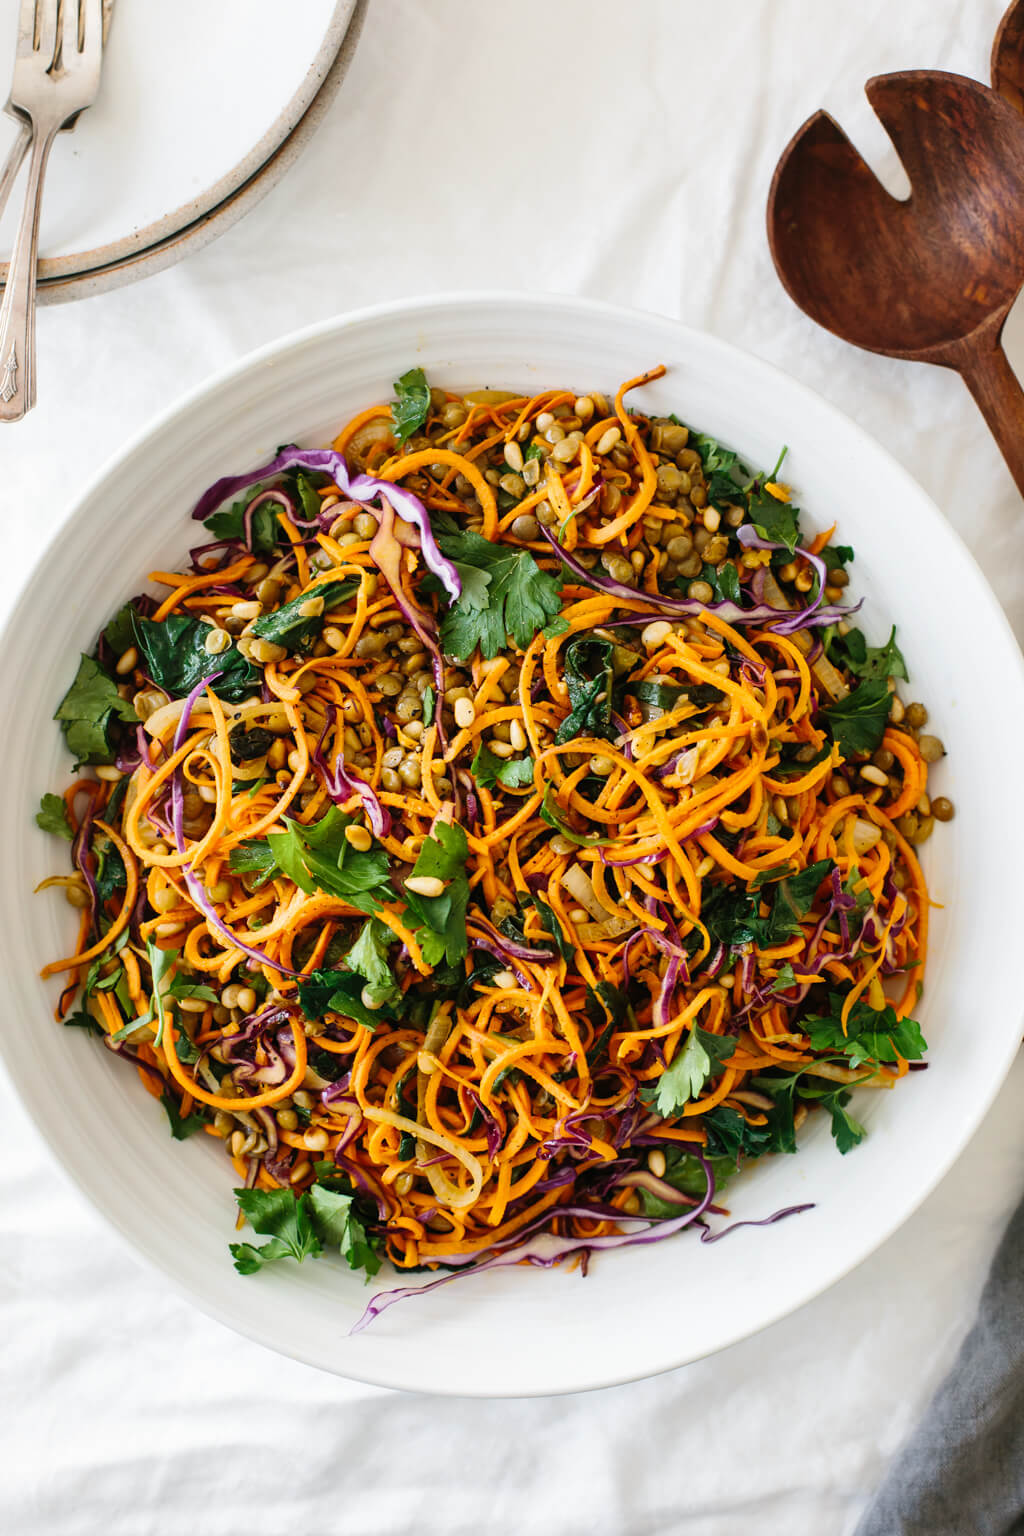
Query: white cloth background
(624, 152)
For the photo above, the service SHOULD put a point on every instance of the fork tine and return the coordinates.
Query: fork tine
(69, 29)
(46, 29)
(91, 31)
(27, 27)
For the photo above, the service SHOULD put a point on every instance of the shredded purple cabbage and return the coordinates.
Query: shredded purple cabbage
(786, 620)
(365, 489)
(341, 783)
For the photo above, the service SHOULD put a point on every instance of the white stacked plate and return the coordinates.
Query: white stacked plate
(201, 110)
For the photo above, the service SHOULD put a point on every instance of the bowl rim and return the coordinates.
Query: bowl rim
(763, 373)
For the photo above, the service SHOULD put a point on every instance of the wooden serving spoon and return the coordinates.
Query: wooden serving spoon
(931, 278)
(1008, 57)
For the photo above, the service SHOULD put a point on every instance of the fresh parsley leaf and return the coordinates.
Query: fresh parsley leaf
(253, 857)
(161, 962)
(785, 979)
(338, 1226)
(369, 959)
(119, 634)
(83, 1020)
(174, 655)
(179, 987)
(429, 698)
(287, 1221)
(774, 520)
(411, 404)
(786, 1089)
(52, 816)
(558, 626)
(518, 598)
(724, 473)
(89, 712)
(110, 871)
(554, 817)
(857, 723)
(439, 922)
(298, 631)
(846, 1131)
(701, 1057)
(318, 857)
(872, 1035)
(181, 1128)
(511, 772)
(266, 531)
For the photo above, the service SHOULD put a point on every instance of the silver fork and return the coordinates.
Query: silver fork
(56, 76)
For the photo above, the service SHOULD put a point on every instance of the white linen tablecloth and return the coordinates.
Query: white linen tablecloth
(623, 152)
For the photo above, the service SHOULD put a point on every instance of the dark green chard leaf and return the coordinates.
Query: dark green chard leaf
(181, 1129)
(607, 1009)
(511, 772)
(299, 632)
(724, 581)
(339, 992)
(836, 556)
(553, 927)
(52, 816)
(661, 695)
(590, 680)
(550, 813)
(731, 1136)
(857, 723)
(89, 714)
(702, 1055)
(686, 1174)
(505, 592)
(774, 520)
(873, 663)
(794, 897)
(411, 404)
(174, 655)
(439, 922)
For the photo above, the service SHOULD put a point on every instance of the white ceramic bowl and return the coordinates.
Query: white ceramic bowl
(640, 1310)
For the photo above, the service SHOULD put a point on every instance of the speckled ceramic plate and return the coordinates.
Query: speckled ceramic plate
(197, 118)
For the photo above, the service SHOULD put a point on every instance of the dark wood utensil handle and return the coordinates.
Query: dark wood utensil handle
(999, 395)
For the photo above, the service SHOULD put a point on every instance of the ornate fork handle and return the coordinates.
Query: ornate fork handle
(18, 311)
